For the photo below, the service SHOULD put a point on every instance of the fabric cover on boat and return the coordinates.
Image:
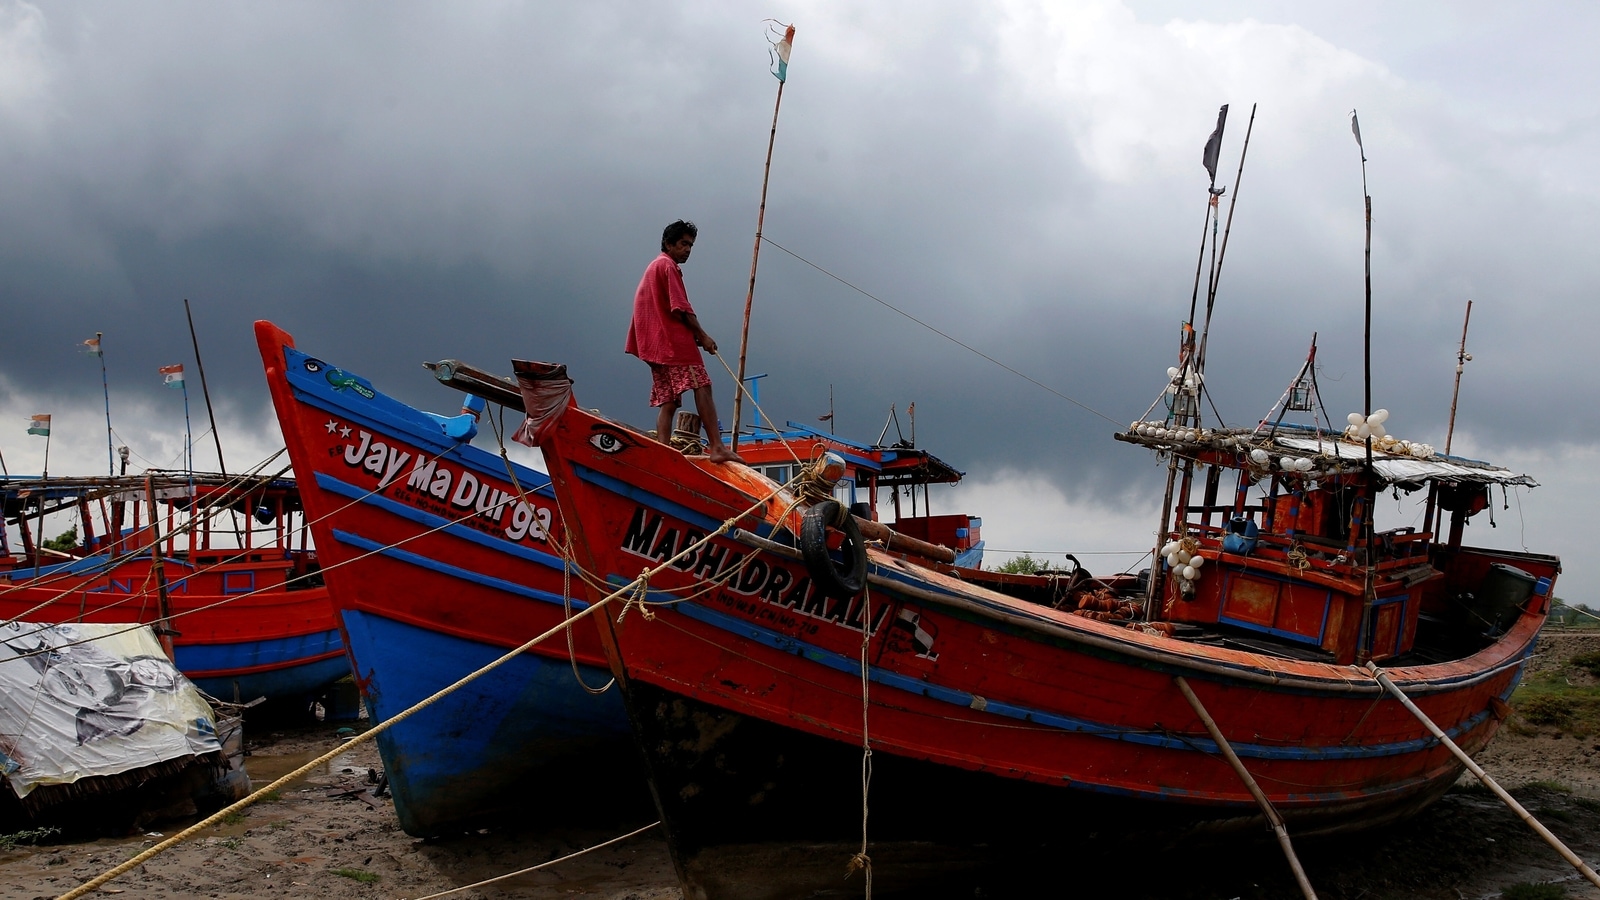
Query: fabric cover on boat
(79, 700)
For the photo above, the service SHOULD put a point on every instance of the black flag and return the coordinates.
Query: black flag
(1214, 143)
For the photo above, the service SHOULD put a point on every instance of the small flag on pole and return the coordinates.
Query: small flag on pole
(780, 50)
(826, 418)
(173, 375)
(39, 425)
(1214, 145)
(92, 346)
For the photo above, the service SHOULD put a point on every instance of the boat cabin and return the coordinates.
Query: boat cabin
(240, 532)
(1272, 547)
(900, 469)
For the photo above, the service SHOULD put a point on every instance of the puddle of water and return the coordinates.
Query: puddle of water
(265, 768)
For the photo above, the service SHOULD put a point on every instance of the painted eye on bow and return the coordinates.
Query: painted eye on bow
(611, 442)
(313, 365)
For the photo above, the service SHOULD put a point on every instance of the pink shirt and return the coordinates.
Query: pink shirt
(656, 335)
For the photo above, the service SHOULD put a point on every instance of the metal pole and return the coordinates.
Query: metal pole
(1273, 818)
(755, 257)
(1483, 776)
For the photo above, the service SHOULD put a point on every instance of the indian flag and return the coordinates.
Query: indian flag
(172, 375)
(92, 346)
(39, 425)
(781, 49)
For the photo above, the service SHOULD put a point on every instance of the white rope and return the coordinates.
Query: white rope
(467, 887)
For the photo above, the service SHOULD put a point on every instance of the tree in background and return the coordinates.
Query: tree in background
(1021, 565)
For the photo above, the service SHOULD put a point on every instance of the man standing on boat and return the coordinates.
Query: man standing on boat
(666, 334)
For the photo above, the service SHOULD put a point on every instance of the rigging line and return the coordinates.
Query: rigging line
(1083, 406)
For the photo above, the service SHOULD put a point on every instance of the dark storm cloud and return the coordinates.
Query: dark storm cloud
(399, 183)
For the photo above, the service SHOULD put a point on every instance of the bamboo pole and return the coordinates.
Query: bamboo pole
(1267, 809)
(1475, 769)
(755, 257)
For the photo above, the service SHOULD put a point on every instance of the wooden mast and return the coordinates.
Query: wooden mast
(782, 49)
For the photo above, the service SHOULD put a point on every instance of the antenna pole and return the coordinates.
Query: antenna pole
(755, 253)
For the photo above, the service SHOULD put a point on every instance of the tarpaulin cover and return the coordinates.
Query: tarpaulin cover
(71, 710)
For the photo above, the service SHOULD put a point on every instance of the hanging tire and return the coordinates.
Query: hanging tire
(840, 580)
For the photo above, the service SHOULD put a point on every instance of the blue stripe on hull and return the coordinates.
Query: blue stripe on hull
(288, 680)
(497, 746)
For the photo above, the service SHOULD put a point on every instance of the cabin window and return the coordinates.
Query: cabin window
(845, 492)
(780, 474)
(238, 582)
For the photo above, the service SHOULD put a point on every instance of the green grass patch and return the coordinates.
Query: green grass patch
(270, 797)
(9, 842)
(1527, 890)
(1548, 701)
(1557, 815)
(1589, 662)
(1586, 803)
(233, 818)
(360, 875)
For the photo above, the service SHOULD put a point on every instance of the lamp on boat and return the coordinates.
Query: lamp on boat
(1300, 395)
(1185, 405)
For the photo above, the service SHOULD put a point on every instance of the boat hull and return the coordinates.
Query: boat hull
(439, 562)
(283, 645)
(507, 743)
(966, 694)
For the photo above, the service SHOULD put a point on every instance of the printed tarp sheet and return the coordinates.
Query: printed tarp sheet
(78, 700)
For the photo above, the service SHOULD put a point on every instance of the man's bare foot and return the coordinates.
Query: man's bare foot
(721, 454)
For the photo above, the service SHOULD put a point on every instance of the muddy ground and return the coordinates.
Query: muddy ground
(329, 837)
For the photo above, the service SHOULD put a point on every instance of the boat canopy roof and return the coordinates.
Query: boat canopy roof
(18, 492)
(1330, 453)
(1395, 468)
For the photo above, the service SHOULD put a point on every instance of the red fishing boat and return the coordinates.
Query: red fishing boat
(220, 564)
(774, 655)
(440, 557)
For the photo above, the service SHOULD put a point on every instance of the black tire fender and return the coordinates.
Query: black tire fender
(841, 580)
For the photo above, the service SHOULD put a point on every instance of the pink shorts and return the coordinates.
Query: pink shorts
(667, 383)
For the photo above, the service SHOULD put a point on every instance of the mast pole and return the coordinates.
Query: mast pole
(761, 217)
(1433, 515)
(1462, 358)
(105, 388)
(205, 391)
(1364, 637)
(38, 543)
(1216, 274)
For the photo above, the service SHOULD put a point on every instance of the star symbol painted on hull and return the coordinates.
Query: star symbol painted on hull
(332, 426)
(344, 432)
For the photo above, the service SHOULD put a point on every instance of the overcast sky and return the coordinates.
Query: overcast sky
(400, 182)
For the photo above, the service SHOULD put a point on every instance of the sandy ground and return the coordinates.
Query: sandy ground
(329, 837)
